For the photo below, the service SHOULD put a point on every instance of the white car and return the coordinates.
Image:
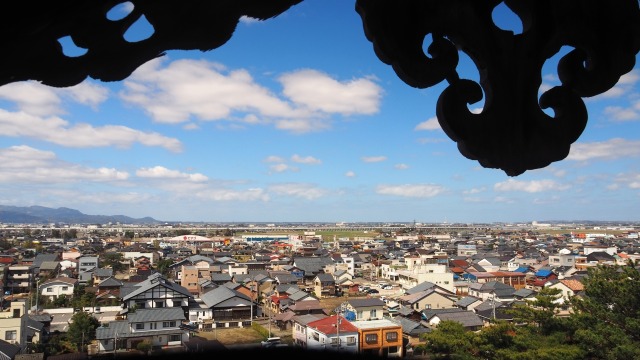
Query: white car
(271, 342)
(387, 287)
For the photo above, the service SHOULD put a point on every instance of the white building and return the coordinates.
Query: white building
(58, 287)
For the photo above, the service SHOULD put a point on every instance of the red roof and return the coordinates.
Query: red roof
(327, 325)
(460, 263)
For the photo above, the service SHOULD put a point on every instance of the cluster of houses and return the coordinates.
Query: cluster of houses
(207, 284)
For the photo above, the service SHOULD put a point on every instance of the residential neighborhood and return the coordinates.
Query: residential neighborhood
(377, 293)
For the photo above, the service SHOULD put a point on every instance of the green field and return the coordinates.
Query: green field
(326, 235)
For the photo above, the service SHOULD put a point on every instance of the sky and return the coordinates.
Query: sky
(295, 119)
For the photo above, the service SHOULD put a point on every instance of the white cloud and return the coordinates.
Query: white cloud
(36, 99)
(298, 190)
(503, 200)
(411, 190)
(350, 174)
(198, 89)
(606, 150)
(248, 20)
(430, 125)
(273, 159)
(430, 140)
(532, 186)
(546, 201)
(60, 132)
(87, 93)
(401, 166)
(302, 125)
(474, 191)
(279, 168)
(629, 180)
(233, 195)
(26, 165)
(32, 98)
(624, 86)
(160, 172)
(620, 114)
(188, 90)
(374, 159)
(305, 160)
(319, 92)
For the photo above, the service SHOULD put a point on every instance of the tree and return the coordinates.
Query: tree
(540, 311)
(450, 340)
(82, 329)
(144, 346)
(163, 266)
(607, 319)
(61, 301)
(113, 260)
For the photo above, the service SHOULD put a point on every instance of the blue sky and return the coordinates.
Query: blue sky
(295, 119)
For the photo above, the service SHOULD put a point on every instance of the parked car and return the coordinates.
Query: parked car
(372, 291)
(387, 287)
(270, 342)
(363, 288)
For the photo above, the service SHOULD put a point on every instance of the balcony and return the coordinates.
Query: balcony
(19, 276)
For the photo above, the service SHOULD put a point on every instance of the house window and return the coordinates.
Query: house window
(176, 303)
(351, 340)
(140, 304)
(371, 338)
(373, 314)
(65, 288)
(49, 289)
(174, 337)
(10, 335)
(139, 326)
(392, 336)
(315, 336)
(168, 324)
(360, 315)
(159, 304)
(427, 306)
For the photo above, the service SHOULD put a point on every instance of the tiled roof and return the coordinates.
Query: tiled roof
(328, 326)
(156, 314)
(367, 302)
(573, 284)
(152, 281)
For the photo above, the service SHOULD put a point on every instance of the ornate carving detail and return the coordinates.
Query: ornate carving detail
(512, 133)
(32, 29)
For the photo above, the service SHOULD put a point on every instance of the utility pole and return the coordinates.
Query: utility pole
(493, 303)
(338, 321)
(37, 293)
(251, 316)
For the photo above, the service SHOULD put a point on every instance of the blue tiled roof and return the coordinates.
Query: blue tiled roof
(543, 273)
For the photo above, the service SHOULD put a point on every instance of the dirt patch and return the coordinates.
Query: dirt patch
(233, 336)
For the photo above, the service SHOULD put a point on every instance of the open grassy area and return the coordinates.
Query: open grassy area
(326, 235)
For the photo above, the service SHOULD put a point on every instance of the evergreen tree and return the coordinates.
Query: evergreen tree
(82, 329)
(607, 319)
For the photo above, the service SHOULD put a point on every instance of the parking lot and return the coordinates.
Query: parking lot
(394, 292)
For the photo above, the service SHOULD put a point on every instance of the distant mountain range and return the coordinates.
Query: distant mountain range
(45, 215)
